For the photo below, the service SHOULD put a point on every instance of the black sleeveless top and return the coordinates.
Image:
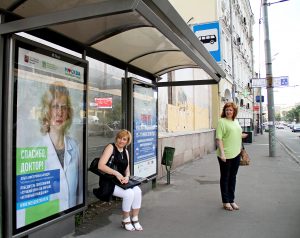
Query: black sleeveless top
(120, 160)
(106, 185)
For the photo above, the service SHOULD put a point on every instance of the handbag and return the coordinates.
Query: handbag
(245, 159)
(110, 163)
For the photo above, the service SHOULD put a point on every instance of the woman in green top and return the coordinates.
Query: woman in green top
(229, 140)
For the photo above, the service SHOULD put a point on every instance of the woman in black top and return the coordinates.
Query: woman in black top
(132, 198)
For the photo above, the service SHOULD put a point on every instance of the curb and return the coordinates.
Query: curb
(289, 151)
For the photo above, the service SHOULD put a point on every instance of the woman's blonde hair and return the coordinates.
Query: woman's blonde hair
(124, 133)
(235, 110)
(56, 90)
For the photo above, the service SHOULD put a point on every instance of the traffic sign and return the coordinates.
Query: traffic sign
(209, 35)
(256, 108)
(257, 98)
(282, 81)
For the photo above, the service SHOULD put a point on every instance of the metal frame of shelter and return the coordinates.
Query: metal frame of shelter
(156, 39)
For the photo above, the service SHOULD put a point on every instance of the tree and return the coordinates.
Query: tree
(293, 114)
(277, 117)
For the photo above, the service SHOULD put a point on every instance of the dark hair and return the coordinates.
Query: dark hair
(235, 110)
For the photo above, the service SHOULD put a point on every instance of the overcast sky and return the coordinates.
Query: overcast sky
(284, 27)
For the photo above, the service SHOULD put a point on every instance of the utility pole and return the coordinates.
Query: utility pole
(269, 78)
(260, 113)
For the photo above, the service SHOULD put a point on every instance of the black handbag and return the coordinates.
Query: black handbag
(110, 163)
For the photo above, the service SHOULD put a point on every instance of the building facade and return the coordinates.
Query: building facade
(235, 20)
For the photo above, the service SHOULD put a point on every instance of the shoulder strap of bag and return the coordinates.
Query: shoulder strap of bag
(114, 149)
(112, 157)
(243, 147)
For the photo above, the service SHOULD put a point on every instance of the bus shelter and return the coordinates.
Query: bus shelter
(147, 38)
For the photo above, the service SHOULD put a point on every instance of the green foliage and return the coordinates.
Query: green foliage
(78, 219)
(277, 117)
(293, 114)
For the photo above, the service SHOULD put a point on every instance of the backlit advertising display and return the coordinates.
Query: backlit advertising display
(144, 130)
(49, 134)
(103, 102)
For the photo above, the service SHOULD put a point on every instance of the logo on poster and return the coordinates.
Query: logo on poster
(72, 72)
(30, 60)
(48, 65)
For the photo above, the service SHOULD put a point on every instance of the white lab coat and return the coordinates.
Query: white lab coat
(68, 195)
(69, 175)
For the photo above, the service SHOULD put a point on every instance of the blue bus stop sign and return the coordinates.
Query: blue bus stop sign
(258, 97)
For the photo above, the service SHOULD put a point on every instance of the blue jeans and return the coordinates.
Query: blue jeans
(228, 171)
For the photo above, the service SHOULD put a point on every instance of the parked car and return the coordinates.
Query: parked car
(279, 126)
(296, 128)
(93, 119)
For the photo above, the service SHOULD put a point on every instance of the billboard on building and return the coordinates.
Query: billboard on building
(48, 146)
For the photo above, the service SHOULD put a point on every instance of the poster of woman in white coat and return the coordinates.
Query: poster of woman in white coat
(50, 147)
(57, 185)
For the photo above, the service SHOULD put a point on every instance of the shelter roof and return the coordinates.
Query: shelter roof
(147, 37)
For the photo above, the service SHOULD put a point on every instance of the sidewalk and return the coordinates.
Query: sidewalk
(268, 192)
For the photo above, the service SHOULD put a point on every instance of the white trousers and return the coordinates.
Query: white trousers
(131, 198)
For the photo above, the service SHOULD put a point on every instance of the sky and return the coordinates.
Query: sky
(284, 35)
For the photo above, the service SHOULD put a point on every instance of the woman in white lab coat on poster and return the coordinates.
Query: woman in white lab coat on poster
(63, 151)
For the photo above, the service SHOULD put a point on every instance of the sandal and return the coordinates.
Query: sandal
(234, 206)
(127, 226)
(137, 225)
(227, 207)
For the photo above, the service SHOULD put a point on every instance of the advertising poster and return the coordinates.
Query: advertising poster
(49, 134)
(145, 131)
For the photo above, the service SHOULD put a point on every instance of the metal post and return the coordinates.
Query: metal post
(234, 86)
(260, 113)
(269, 78)
(1, 116)
(168, 174)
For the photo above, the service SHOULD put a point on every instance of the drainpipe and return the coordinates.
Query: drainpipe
(232, 53)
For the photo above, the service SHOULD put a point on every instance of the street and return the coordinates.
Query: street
(290, 140)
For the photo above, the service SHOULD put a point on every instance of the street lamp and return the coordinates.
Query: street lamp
(274, 56)
(270, 3)
(269, 78)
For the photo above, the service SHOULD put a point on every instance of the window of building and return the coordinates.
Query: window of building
(182, 109)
